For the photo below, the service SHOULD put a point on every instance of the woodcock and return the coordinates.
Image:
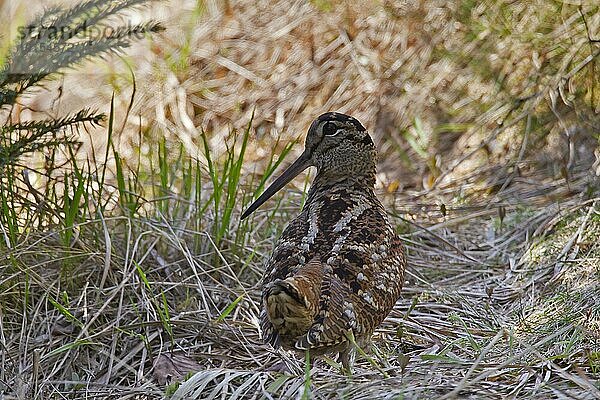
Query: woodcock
(338, 267)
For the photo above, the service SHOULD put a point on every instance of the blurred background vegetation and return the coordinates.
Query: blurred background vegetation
(132, 140)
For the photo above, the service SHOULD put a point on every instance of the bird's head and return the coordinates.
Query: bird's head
(338, 146)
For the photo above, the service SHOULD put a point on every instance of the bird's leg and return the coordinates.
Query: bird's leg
(280, 367)
(285, 365)
(344, 357)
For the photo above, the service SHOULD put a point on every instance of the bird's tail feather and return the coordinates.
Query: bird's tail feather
(292, 303)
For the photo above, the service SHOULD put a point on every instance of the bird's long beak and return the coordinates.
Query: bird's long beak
(290, 173)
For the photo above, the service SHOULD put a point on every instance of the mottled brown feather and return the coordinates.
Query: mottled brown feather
(338, 267)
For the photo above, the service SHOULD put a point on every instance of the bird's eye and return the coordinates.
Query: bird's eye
(330, 129)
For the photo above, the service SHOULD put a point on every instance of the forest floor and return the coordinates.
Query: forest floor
(485, 115)
(496, 304)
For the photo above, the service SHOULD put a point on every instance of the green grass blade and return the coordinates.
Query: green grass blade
(230, 308)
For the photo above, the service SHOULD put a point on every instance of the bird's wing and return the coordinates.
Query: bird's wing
(335, 316)
(361, 283)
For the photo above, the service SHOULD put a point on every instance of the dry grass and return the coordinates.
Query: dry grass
(488, 310)
(494, 192)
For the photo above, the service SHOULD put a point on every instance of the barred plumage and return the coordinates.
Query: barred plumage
(338, 267)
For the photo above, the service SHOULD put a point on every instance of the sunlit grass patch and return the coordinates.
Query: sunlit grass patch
(569, 295)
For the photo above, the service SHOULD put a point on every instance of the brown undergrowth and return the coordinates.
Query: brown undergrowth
(485, 115)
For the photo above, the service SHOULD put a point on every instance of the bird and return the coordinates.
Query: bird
(337, 269)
